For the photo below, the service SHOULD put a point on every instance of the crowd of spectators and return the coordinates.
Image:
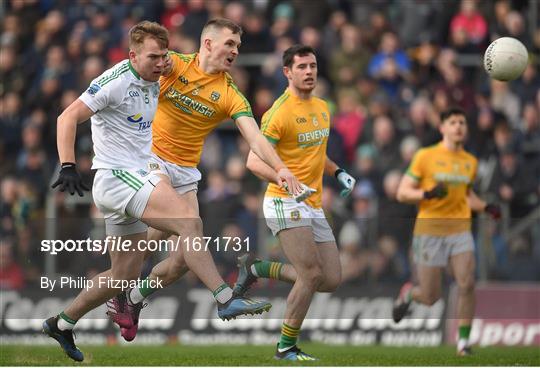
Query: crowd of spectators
(387, 69)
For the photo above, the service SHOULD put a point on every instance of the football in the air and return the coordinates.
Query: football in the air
(505, 59)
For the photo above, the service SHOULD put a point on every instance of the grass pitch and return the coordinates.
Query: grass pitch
(178, 355)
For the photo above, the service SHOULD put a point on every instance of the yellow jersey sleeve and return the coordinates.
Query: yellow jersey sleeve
(416, 169)
(237, 105)
(272, 127)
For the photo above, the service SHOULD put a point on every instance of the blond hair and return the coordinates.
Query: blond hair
(146, 29)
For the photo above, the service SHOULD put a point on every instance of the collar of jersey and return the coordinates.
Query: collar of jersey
(133, 70)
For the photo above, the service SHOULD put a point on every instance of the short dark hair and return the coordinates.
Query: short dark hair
(220, 23)
(291, 52)
(452, 111)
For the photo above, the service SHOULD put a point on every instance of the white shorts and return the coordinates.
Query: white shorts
(122, 195)
(435, 251)
(183, 178)
(286, 213)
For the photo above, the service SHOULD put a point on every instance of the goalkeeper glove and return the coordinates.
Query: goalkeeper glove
(70, 179)
(494, 210)
(346, 181)
(438, 191)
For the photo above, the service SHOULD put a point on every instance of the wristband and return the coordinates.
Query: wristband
(338, 171)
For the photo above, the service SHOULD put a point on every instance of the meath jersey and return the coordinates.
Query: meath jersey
(299, 129)
(191, 104)
(456, 169)
(124, 105)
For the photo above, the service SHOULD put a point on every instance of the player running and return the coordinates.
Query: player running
(440, 180)
(196, 95)
(298, 125)
(121, 104)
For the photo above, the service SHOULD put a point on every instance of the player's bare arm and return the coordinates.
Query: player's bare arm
(74, 114)
(69, 178)
(409, 190)
(262, 148)
(478, 205)
(261, 169)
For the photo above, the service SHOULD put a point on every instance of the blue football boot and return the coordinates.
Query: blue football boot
(64, 338)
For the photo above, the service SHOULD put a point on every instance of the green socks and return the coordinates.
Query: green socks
(288, 338)
(464, 332)
(137, 295)
(266, 269)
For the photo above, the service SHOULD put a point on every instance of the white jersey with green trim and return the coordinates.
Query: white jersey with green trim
(124, 105)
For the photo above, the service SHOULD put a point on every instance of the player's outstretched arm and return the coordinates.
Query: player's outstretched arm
(262, 148)
(346, 181)
(66, 131)
(261, 169)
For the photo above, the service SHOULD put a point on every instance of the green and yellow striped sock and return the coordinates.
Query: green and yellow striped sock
(288, 338)
(267, 269)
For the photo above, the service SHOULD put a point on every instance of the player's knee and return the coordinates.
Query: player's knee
(330, 284)
(313, 276)
(189, 223)
(176, 269)
(466, 286)
(125, 273)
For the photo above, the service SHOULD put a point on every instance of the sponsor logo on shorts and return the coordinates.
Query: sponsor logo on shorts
(295, 215)
(142, 173)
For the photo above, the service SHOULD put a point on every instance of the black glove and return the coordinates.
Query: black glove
(494, 210)
(70, 179)
(438, 191)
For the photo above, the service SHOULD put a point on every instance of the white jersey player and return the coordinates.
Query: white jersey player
(121, 104)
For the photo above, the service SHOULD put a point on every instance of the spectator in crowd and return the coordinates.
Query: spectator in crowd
(514, 184)
(468, 28)
(11, 274)
(391, 65)
(350, 60)
(349, 121)
(422, 122)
